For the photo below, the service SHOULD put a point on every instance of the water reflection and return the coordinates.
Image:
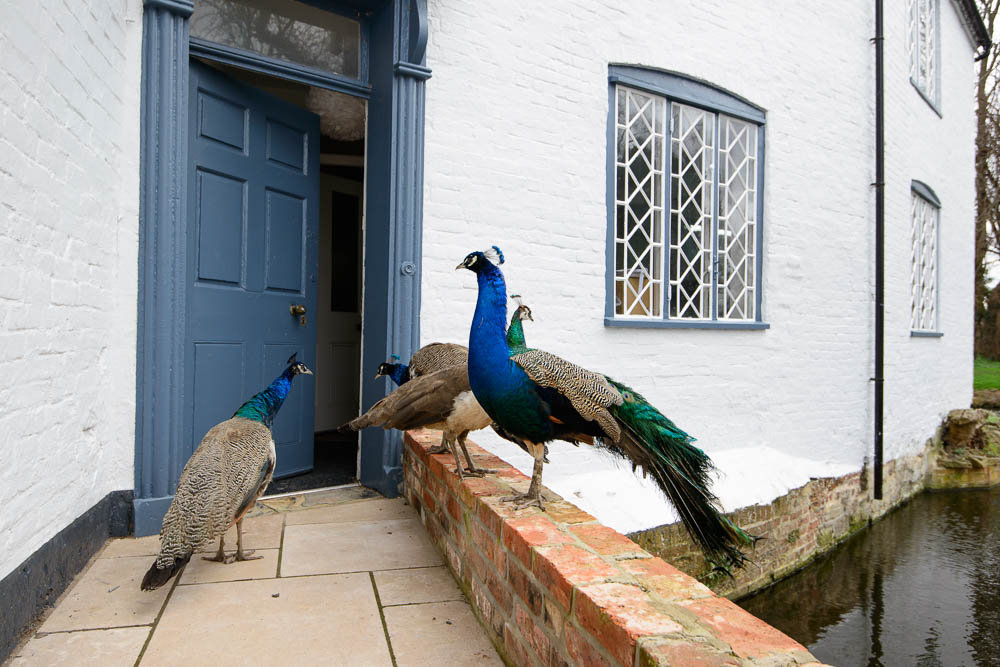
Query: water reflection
(921, 587)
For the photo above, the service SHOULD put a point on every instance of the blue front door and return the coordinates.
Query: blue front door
(251, 257)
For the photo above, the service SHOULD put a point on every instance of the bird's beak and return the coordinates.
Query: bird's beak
(460, 266)
(378, 375)
(307, 372)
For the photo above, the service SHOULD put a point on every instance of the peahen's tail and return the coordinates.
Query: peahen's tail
(682, 471)
(156, 577)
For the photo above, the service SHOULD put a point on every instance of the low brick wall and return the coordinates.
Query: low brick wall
(797, 526)
(559, 588)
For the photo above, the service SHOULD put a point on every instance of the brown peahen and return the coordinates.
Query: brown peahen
(440, 400)
(221, 482)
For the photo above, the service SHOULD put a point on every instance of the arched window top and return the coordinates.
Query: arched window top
(925, 191)
(685, 89)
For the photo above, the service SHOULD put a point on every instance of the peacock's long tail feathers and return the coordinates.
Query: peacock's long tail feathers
(156, 577)
(682, 471)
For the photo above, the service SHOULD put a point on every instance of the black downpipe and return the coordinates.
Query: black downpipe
(879, 246)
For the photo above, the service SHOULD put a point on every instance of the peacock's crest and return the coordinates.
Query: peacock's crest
(494, 254)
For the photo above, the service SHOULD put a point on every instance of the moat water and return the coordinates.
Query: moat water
(921, 587)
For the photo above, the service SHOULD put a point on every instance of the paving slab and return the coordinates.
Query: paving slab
(441, 633)
(100, 648)
(107, 595)
(259, 532)
(326, 548)
(425, 584)
(328, 620)
(366, 510)
(201, 571)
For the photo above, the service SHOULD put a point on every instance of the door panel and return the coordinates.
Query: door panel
(254, 205)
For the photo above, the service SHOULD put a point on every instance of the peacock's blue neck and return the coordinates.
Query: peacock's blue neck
(265, 404)
(488, 351)
(400, 374)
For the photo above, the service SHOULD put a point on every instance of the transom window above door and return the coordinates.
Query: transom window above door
(684, 203)
(316, 44)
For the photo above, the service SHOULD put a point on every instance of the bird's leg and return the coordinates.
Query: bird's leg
(440, 448)
(472, 469)
(454, 452)
(220, 555)
(240, 554)
(534, 494)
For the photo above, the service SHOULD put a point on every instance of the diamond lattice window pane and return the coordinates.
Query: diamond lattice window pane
(923, 258)
(737, 223)
(923, 25)
(692, 170)
(639, 151)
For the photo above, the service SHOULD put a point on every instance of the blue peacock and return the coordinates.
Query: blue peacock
(536, 397)
(221, 481)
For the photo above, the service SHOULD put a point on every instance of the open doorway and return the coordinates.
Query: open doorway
(339, 283)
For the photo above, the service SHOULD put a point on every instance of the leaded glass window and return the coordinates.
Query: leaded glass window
(694, 258)
(924, 268)
(924, 30)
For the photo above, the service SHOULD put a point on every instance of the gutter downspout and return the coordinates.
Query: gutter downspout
(879, 246)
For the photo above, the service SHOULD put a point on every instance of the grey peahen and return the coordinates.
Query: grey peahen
(221, 481)
(538, 397)
(429, 359)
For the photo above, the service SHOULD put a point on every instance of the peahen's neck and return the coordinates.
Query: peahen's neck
(515, 334)
(265, 404)
(488, 351)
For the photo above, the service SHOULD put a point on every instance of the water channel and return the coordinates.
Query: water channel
(920, 587)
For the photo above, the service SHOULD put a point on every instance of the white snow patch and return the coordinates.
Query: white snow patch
(606, 487)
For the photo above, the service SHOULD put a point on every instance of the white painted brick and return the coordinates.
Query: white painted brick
(69, 116)
(521, 163)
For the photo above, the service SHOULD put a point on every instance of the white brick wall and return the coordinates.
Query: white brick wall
(515, 155)
(69, 138)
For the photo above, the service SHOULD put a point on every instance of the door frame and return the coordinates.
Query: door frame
(396, 78)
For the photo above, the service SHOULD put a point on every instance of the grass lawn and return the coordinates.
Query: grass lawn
(986, 374)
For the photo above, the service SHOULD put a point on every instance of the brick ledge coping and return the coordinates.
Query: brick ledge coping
(560, 588)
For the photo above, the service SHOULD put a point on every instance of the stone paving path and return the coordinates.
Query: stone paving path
(345, 580)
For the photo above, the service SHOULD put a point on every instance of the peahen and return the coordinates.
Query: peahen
(430, 358)
(538, 397)
(439, 400)
(221, 482)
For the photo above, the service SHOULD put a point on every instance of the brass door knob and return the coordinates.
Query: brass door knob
(297, 309)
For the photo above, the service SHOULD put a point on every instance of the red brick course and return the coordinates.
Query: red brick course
(559, 588)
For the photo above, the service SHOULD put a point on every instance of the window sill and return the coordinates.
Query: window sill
(926, 334)
(675, 324)
(931, 103)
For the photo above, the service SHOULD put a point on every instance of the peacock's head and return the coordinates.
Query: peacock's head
(391, 368)
(297, 367)
(482, 259)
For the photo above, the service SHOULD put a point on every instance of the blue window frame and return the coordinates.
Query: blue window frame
(685, 205)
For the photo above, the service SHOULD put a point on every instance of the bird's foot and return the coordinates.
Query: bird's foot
(246, 555)
(525, 499)
(479, 472)
(438, 449)
(219, 557)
